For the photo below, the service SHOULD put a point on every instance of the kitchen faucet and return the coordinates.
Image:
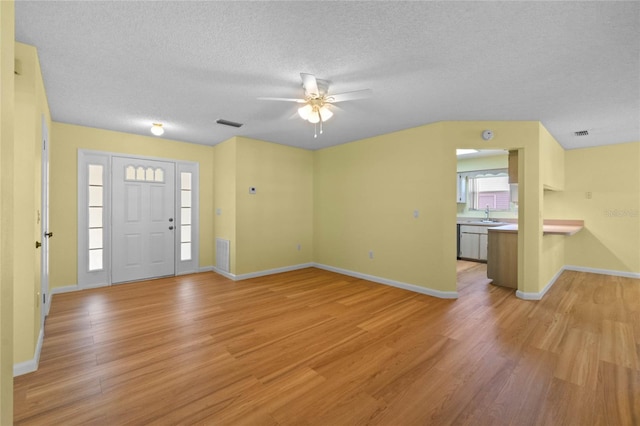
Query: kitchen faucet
(486, 212)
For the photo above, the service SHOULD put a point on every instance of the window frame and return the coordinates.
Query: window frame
(479, 174)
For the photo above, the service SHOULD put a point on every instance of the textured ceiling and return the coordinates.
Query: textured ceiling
(123, 65)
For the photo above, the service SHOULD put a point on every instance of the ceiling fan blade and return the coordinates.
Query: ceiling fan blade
(294, 116)
(300, 101)
(350, 96)
(310, 85)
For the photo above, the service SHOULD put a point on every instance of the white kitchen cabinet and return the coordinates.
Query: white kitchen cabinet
(483, 248)
(461, 188)
(473, 242)
(469, 245)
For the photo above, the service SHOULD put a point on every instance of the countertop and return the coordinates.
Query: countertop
(480, 222)
(549, 227)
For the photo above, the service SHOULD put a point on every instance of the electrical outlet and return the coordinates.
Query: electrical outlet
(370, 254)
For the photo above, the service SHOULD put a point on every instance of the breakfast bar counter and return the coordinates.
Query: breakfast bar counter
(502, 250)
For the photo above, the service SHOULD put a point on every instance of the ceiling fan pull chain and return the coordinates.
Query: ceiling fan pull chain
(315, 130)
(320, 125)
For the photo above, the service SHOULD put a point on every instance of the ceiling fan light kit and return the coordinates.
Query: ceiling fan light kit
(305, 111)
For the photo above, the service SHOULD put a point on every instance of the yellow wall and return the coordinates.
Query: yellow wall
(611, 237)
(7, 145)
(224, 181)
(66, 140)
(525, 137)
(30, 106)
(366, 193)
(272, 222)
(552, 164)
(552, 174)
(265, 228)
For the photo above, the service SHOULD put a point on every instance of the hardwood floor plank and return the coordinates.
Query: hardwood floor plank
(522, 398)
(569, 404)
(578, 359)
(313, 347)
(618, 344)
(619, 393)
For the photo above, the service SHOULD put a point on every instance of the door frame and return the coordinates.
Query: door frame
(44, 225)
(102, 277)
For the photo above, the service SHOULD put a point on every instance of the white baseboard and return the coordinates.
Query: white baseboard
(223, 273)
(206, 269)
(262, 273)
(92, 286)
(540, 295)
(379, 280)
(65, 289)
(273, 271)
(31, 365)
(602, 271)
(393, 283)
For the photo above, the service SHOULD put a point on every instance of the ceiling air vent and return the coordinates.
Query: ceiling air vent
(228, 123)
(582, 133)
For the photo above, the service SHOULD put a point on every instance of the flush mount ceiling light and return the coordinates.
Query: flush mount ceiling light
(317, 100)
(157, 129)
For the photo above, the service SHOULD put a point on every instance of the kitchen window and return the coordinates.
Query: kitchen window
(489, 189)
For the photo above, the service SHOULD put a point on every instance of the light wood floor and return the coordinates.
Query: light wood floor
(314, 347)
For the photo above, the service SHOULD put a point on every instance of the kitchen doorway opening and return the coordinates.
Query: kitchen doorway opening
(487, 196)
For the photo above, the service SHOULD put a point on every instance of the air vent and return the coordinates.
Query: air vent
(228, 123)
(582, 133)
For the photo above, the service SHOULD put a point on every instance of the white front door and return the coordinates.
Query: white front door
(143, 225)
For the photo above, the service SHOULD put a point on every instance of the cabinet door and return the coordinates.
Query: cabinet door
(469, 245)
(484, 240)
(513, 166)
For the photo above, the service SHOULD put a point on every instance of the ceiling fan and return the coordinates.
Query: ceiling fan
(318, 102)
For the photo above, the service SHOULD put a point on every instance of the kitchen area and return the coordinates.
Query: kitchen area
(487, 198)
(487, 214)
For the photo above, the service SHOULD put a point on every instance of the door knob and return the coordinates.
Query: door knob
(171, 228)
(170, 219)
(38, 244)
(48, 234)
